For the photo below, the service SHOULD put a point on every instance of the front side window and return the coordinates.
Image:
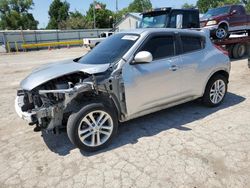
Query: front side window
(216, 12)
(238, 10)
(191, 43)
(110, 50)
(103, 35)
(160, 47)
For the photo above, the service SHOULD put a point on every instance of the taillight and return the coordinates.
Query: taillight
(222, 50)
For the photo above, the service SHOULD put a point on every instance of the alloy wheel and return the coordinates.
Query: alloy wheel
(95, 128)
(217, 91)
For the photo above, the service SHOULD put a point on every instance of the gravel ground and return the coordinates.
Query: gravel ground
(185, 146)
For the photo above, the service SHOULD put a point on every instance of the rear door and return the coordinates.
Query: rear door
(153, 84)
(192, 59)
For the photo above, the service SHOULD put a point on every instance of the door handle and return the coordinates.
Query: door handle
(173, 67)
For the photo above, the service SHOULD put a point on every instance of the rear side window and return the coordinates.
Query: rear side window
(191, 19)
(191, 43)
(160, 47)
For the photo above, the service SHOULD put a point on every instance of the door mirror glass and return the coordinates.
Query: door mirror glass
(143, 57)
(233, 12)
(179, 21)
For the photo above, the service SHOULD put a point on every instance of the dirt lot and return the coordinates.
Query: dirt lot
(185, 146)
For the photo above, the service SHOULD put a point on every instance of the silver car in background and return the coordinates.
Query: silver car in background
(128, 75)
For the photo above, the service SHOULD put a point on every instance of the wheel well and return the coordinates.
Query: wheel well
(87, 97)
(221, 72)
(224, 25)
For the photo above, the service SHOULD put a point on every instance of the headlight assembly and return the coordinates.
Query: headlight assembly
(212, 22)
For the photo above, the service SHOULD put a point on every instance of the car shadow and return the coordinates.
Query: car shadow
(238, 59)
(129, 132)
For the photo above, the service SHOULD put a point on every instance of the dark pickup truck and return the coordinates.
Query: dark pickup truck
(170, 18)
(225, 20)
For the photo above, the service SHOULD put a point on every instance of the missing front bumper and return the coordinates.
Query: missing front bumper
(47, 118)
(30, 117)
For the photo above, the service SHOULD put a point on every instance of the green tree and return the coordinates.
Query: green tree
(76, 21)
(186, 5)
(247, 4)
(140, 6)
(135, 6)
(14, 14)
(204, 5)
(58, 13)
(103, 16)
(118, 16)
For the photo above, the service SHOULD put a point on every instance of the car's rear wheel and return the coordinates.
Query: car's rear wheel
(239, 50)
(215, 91)
(92, 127)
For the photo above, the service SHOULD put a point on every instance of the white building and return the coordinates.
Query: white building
(129, 21)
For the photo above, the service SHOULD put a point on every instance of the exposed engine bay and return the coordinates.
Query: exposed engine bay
(49, 104)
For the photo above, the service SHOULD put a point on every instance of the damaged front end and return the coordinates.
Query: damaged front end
(48, 104)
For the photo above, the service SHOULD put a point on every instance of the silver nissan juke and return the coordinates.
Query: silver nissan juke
(128, 75)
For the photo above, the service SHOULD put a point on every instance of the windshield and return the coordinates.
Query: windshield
(110, 50)
(216, 12)
(154, 20)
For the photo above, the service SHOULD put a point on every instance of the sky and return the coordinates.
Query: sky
(41, 7)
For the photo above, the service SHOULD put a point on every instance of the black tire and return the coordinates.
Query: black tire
(225, 30)
(74, 123)
(239, 51)
(206, 99)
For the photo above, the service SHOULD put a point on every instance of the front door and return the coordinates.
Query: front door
(156, 83)
(237, 19)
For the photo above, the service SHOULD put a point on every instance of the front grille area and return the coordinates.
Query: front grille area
(202, 24)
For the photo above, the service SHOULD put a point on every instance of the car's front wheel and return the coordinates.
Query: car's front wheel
(215, 91)
(222, 32)
(92, 127)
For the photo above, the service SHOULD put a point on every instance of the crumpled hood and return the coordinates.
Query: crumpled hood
(58, 69)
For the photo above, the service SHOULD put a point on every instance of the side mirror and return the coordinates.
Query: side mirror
(233, 12)
(179, 21)
(143, 57)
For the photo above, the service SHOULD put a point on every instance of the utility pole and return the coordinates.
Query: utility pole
(94, 14)
(116, 5)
